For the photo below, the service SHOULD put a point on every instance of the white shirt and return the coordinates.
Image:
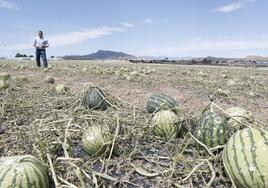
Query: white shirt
(39, 42)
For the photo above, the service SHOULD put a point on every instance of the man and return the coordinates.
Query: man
(40, 43)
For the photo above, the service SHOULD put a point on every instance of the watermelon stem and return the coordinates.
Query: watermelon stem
(213, 173)
(57, 184)
(106, 100)
(113, 143)
(222, 111)
(65, 145)
(192, 171)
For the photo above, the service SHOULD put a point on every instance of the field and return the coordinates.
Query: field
(36, 120)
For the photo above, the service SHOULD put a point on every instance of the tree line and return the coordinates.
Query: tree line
(24, 55)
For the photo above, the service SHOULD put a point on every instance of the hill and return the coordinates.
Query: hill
(100, 54)
(256, 58)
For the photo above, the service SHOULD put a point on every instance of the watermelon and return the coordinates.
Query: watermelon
(165, 124)
(23, 172)
(245, 158)
(212, 129)
(96, 139)
(85, 69)
(94, 98)
(160, 101)
(49, 80)
(239, 114)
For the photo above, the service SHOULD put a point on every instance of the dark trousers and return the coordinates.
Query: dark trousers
(41, 53)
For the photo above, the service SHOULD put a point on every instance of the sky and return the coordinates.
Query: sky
(174, 28)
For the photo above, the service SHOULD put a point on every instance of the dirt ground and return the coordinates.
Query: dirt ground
(191, 86)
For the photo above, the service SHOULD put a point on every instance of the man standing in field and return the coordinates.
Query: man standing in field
(40, 43)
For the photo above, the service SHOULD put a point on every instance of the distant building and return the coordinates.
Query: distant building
(55, 58)
(23, 59)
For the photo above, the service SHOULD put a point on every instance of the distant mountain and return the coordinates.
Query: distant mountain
(100, 54)
(256, 58)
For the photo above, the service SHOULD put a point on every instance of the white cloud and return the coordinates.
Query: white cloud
(127, 24)
(230, 7)
(147, 21)
(153, 21)
(210, 46)
(8, 5)
(144, 21)
(233, 6)
(64, 26)
(69, 38)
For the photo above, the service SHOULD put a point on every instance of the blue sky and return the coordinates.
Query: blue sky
(178, 28)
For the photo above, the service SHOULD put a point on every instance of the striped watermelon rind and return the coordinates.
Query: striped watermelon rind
(239, 115)
(96, 139)
(23, 172)
(160, 101)
(245, 158)
(165, 124)
(212, 129)
(95, 98)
